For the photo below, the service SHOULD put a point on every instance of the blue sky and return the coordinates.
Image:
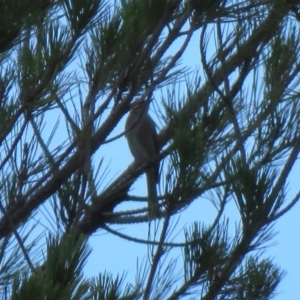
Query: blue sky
(117, 255)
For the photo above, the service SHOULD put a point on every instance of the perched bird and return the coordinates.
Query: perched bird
(142, 141)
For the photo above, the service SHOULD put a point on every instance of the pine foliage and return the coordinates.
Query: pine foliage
(229, 136)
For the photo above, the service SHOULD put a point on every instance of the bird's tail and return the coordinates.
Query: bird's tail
(153, 209)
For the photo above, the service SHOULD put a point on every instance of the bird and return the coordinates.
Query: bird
(141, 136)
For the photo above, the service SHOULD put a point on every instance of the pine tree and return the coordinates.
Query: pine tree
(229, 136)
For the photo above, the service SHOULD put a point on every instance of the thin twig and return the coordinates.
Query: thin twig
(17, 236)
